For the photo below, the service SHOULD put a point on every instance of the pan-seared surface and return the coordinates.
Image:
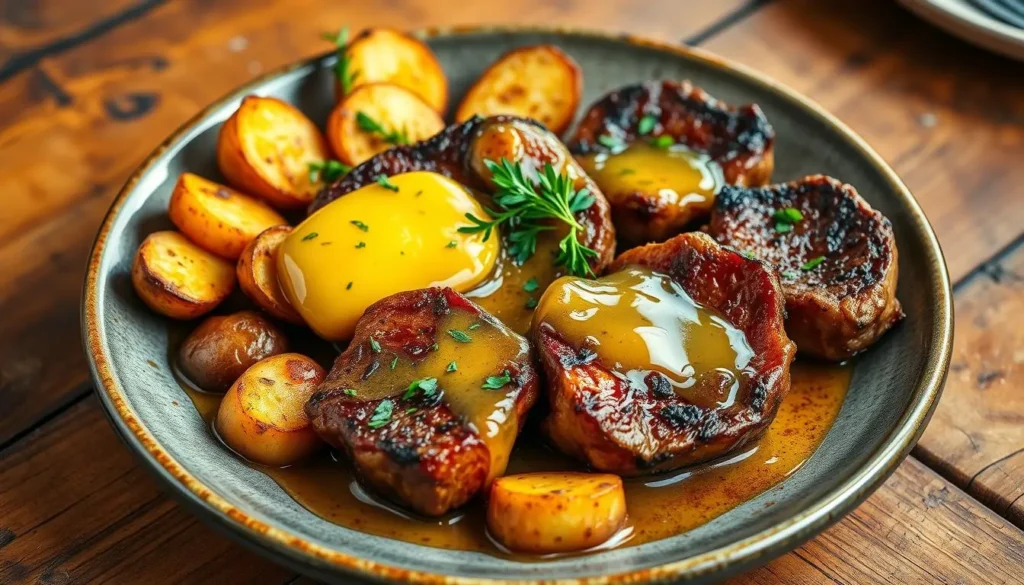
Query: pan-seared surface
(622, 428)
(838, 261)
(739, 141)
(428, 453)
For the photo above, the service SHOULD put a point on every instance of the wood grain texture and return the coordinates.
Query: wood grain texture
(133, 86)
(948, 117)
(976, 437)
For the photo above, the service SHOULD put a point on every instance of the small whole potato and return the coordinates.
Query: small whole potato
(217, 352)
(553, 512)
(263, 417)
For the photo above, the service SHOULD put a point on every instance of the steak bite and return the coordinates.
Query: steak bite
(660, 150)
(428, 398)
(836, 256)
(688, 362)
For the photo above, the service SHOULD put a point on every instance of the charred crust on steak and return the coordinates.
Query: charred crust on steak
(836, 306)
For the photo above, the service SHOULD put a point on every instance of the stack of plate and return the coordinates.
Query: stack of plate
(997, 25)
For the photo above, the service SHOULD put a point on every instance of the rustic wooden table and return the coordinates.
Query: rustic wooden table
(88, 88)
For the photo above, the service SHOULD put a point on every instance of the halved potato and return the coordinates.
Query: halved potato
(400, 116)
(217, 218)
(555, 511)
(385, 55)
(217, 352)
(539, 82)
(263, 418)
(179, 279)
(257, 274)
(265, 148)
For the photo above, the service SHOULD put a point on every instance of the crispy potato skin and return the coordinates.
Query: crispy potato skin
(390, 56)
(257, 275)
(177, 278)
(846, 303)
(217, 352)
(539, 82)
(430, 460)
(268, 175)
(218, 218)
(393, 106)
(261, 417)
(458, 152)
(739, 139)
(660, 432)
(545, 513)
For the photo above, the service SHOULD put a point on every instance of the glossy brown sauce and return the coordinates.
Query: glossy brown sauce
(658, 506)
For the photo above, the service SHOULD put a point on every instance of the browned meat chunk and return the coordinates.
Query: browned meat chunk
(836, 255)
(428, 398)
(655, 189)
(627, 424)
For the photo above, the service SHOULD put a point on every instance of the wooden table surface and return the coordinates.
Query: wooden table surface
(88, 88)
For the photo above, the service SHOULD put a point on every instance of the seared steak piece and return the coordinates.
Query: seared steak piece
(415, 398)
(836, 256)
(630, 425)
(732, 145)
(459, 151)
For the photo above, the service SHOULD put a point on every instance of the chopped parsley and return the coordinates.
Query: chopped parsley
(411, 410)
(451, 244)
(382, 415)
(497, 382)
(531, 285)
(783, 228)
(348, 286)
(394, 362)
(426, 385)
(349, 391)
(789, 275)
(611, 142)
(343, 68)
(474, 326)
(460, 336)
(747, 254)
(383, 181)
(309, 236)
(327, 171)
(374, 345)
(812, 263)
(531, 303)
(452, 366)
(646, 124)
(663, 141)
(368, 124)
(785, 218)
(360, 245)
(360, 225)
(434, 347)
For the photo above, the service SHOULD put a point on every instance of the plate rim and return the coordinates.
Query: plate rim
(970, 25)
(292, 549)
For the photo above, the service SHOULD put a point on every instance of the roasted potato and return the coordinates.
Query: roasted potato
(375, 117)
(265, 149)
(179, 279)
(384, 55)
(262, 417)
(257, 274)
(539, 82)
(555, 511)
(219, 219)
(217, 352)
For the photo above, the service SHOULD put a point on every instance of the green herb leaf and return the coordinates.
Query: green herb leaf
(474, 326)
(382, 414)
(663, 141)
(747, 254)
(394, 362)
(812, 263)
(646, 124)
(531, 303)
(327, 171)
(460, 336)
(360, 245)
(343, 68)
(411, 410)
(611, 142)
(496, 382)
(368, 124)
(783, 228)
(531, 285)
(309, 236)
(374, 345)
(360, 225)
(433, 347)
(383, 181)
(349, 391)
(788, 215)
(426, 385)
(451, 244)
(348, 286)
(790, 275)
(452, 366)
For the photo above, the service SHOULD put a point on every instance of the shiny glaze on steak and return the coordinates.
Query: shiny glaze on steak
(848, 300)
(739, 140)
(428, 455)
(617, 427)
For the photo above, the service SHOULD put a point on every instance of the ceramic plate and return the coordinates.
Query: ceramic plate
(961, 18)
(894, 386)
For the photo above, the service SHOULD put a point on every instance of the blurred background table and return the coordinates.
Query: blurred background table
(87, 89)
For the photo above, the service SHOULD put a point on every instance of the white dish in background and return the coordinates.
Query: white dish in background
(962, 19)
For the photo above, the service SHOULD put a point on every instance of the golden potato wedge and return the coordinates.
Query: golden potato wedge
(219, 219)
(263, 418)
(375, 117)
(179, 279)
(384, 55)
(257, 274)
(217, 352)
(265, 148)
(555, 511)
(539, 82)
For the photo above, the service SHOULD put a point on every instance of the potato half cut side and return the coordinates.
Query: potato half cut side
(389, 56)
(262, 417)
(265, 149)
(217, 352)
(555, 511)
(257, 275)
(219, 219)
(179, 279)
(539, 82)
(376, 117)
